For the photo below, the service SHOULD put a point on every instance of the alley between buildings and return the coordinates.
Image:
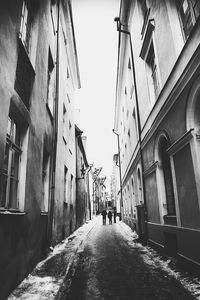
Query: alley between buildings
(106, 262)
(113, 266)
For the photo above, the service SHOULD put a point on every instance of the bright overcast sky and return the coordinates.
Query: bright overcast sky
(97, 42)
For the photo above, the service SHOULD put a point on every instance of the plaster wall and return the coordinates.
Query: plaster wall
(187, 250)
(24, 235)
(64, 212)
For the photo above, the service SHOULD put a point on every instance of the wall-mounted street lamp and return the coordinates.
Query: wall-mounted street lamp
(83, 172)
(120, 171)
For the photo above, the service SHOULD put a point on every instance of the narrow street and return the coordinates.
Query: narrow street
(112, 266)
(105, 262)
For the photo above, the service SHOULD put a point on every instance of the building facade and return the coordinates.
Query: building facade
(115, 184)
(83, 204)
(158, 91)
(38, 70)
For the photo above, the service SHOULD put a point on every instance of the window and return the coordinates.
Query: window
(139, 187)
(65, 184)
(135, 130)
(50, 83)
(68, 73)
(71, 188)
(130, 79)
(11, 166)
(45, 180)
(152, 73)
(68, 98)
(189, 11)
(24, 76)
(26, 26)
(64, 124)
(166, 167)
(145, 14)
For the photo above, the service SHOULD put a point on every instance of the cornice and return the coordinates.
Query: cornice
(151, 169)
(180, 143)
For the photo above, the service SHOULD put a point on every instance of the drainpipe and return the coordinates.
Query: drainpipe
(120, 30)
(55, 135)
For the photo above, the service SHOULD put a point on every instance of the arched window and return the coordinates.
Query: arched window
(139, 187)
(167, 174)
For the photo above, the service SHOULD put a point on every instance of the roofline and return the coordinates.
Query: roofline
(75, 49)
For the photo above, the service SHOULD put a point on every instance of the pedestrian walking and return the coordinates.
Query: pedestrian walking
(115, 214)
(104, 213)
(110, 217)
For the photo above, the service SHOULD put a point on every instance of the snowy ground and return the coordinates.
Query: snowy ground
(47, 278)
(153, 259)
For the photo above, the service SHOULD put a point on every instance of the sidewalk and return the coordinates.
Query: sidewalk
(48, 276)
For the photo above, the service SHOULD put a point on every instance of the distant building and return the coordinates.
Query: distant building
(39, 72)
(115, 184)
(157, 116)
(95, 172)
(101, 193)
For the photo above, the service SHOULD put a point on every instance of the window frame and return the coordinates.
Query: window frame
(191, 15)
(152, 73)
(23, 128)
(26, 30)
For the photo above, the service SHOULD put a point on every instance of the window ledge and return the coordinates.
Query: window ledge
(12, 212)
(44, 213)
(170, 220)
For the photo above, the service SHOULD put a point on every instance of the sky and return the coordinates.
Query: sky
(97, 42)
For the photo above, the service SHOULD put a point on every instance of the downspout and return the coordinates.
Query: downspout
(145, 237)
(55, 134)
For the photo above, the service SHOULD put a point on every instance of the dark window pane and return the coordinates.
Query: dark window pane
(24, 75)
(6, 156)
(4, 186)
(13, 193)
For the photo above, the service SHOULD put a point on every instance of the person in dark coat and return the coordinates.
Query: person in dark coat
(104, 213)
(110, 217)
